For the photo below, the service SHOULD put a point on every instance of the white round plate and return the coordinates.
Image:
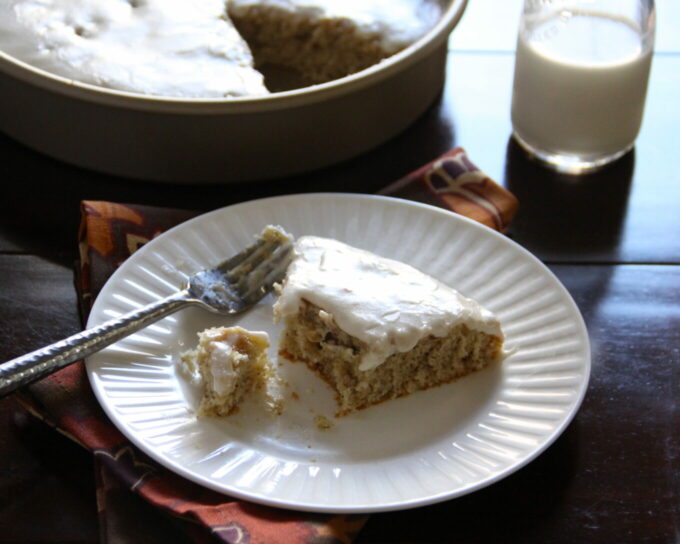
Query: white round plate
(428, 447)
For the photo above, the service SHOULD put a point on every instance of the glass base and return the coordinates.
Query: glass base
(569, 164)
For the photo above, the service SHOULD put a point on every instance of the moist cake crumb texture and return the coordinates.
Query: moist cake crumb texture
(324, 40)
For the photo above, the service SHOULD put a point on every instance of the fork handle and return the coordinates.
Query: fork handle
(38, 364)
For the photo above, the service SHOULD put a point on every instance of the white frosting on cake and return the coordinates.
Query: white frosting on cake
(386, 304)
(185, 48)
(222, 363)
(181, 48)
(395, 23)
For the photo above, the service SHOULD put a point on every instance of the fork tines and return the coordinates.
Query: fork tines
(253, 272)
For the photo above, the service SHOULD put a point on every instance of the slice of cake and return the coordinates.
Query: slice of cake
(230, 362)
(377, 329)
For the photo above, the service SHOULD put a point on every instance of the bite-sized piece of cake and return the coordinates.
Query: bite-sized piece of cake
(157, 47)
(231, 361)
(327, 39)
(377, 329)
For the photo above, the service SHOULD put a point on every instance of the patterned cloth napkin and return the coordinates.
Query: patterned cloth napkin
(109, 234)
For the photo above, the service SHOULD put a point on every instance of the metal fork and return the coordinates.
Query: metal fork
(231, 287)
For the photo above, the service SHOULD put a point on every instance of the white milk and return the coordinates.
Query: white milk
(578, 96)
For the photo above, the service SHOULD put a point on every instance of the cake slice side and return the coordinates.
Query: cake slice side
(312, 337)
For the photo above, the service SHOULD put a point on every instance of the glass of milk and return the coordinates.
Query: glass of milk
(580, 82)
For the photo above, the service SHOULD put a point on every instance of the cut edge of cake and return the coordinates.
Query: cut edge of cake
(318, 48)
(314, 338)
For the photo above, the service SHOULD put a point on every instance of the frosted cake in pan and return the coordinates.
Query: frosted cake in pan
(202, 49)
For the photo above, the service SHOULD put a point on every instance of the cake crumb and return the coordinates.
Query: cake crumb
(229, 363)
(322, 422)
(272, 390)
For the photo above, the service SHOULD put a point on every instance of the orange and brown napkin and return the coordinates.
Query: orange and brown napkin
(109, 234)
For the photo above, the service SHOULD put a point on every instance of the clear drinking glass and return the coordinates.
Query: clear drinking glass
(581, 73)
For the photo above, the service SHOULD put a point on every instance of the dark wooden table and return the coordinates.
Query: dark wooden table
(613, 238)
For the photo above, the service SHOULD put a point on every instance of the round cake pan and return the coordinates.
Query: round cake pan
(226, 140)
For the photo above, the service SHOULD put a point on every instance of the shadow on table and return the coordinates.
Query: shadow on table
(569, 221)
(568, 218)
(523, 507)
